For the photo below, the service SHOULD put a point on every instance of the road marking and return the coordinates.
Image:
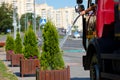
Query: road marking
(74, 50)
(72, 64)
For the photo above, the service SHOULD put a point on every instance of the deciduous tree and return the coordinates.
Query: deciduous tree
(6, 17)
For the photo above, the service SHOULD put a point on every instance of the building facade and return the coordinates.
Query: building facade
(62, 18)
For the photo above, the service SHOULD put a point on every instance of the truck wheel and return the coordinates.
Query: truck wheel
(116, 66)
(94, 69)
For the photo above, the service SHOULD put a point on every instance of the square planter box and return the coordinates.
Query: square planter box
(2, 44)
(28, 66)
(53, 74)
(15, 59)
(9, 54)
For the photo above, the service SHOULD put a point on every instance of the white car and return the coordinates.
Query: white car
(76, 35)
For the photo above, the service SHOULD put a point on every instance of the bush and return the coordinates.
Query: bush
(51, 58)
(30, 44)
(18, 44)
(9, 43)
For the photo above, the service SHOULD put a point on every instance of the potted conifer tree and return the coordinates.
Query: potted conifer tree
(31, 53)
(51, 61)
(9, 47)
(18, 51)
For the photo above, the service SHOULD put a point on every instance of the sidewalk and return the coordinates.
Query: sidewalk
(76, 69)
(72, 59)
(14, 70)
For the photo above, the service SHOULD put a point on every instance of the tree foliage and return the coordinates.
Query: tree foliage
(18, 44)
(5, 17)
(24, 19)
(9, 43)
(30, 44)
(51, 58)
(28, 17)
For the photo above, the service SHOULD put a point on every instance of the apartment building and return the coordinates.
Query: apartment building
(6, 1)
(62, 18)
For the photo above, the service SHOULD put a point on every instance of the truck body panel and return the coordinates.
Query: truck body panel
(103, 48)
(104, 16)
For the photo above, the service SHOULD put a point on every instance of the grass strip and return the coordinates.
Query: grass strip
(4, 74)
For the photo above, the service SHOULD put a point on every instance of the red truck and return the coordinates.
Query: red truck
(101, 39)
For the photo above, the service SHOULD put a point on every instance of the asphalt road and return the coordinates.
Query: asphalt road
(73, 43)
(74, 59)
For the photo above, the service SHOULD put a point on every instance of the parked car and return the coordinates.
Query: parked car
(76, 35)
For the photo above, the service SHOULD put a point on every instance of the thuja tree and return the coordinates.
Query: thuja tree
(9, 43)
(30, 44)
(51, 57)
(18, 44)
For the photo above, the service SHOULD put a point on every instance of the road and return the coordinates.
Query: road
(74, 59)
(75, 43)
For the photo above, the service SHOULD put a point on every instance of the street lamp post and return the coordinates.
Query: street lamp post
(34, 18)
(25, 22)
(19, 26)
(14, 18)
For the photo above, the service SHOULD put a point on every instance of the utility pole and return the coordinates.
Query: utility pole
(14, 18)
(25, 22)
(34, 18)
(19, 26)
(19, 16)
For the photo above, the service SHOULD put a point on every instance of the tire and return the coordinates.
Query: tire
(116, 66)
(94, 69)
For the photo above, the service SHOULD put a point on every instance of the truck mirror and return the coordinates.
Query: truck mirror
(79, 8)
(79, 1)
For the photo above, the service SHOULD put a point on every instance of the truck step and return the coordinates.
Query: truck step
(111, 56)
(110, 76)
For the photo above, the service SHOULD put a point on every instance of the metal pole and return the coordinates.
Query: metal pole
(19, 25)
(14, 18)
(34, 18)
(25, 22)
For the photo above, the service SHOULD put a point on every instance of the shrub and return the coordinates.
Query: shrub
(30, 44)
(9, 43)
(51, 58)
(18, 44)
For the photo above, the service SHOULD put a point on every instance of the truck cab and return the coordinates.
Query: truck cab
(101, 39)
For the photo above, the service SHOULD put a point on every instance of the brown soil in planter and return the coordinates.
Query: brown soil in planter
(28, 66)
(15, 59)
(53, 74)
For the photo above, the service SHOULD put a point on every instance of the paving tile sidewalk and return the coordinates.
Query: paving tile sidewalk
(14, 70)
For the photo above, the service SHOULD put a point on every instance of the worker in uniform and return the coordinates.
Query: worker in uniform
(91, 8)
(90, 19)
